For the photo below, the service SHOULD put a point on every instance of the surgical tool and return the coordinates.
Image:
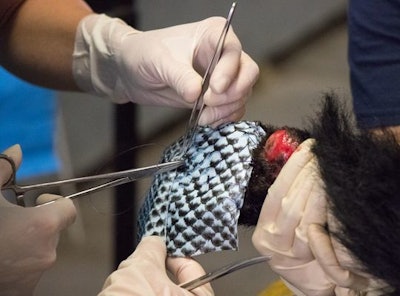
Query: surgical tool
(199, 104)
(114, 179)
(223, 271)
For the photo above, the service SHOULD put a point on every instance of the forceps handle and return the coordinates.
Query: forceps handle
(196, 111)
(160, 168)
(132, 174)
(100, 187)
(222, 272)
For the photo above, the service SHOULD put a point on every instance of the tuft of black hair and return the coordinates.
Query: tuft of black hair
(361, 173)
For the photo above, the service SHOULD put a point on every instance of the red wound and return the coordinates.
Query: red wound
(279, 146)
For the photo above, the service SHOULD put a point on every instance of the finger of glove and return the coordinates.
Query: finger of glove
(228, 66)
(149, 259)
(270, 236)
(314, 212)
(142, 273)
(280, 188)
(183, 79)
(171, 66)
(208, 35)
(15, 153)
(321, 245)
(228, 106)
(234, 79)
(184, 49)
(297, 251)
(46, 198)
(292, 209)
(232, 117)
(339, 291)
(150, 248)
(187, 269)
(308, 279)
(225, 113)
(240, 87)
(61, 213)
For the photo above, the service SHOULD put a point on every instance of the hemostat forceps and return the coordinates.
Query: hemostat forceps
(199, 104)
(112, 180)
(208, 277)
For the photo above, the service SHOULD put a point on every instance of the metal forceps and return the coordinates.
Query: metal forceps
(199, 104)
(112, 180)
(223, 271)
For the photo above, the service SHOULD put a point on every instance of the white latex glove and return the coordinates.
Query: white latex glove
(159, 67)
(294, 201)
(291, 229)
(332, 256)
(28, 236)
(144, 273)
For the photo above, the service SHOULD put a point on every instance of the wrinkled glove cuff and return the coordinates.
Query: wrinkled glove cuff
(308, 279)
(97, 44)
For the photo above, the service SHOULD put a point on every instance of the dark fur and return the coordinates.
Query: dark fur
(361, 173)
(263, 175)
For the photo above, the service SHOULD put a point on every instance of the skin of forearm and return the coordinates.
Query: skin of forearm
(37, 43)
(394, 129)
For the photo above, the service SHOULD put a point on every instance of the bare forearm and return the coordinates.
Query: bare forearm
(37, 43)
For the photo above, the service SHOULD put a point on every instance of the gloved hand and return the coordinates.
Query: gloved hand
(332, 257)
(159, 67)
(293, 218)
(294, 201)
(28, 236)
(144, 273)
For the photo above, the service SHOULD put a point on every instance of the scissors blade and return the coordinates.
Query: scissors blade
(199, 104)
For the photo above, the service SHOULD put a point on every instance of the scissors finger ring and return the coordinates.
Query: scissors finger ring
(13, 168)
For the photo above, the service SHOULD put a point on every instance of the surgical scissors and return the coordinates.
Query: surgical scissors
(208, 277)
(114, 179)
(197, 108)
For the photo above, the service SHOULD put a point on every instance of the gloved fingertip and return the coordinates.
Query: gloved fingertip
(205, 118)
(154, 244)
(189, 87)
(153, 239)
(220, 84)
(210, 121)
(14, 149)
(15, 152)
(46, 199)
(307, 144)
(315, 231)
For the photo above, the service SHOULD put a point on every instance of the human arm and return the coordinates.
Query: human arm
(28, 236)
(37, 41)
(144, 273)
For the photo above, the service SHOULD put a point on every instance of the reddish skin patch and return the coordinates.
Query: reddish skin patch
(279, 146)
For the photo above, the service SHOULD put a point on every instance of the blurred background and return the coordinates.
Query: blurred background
(301, 48)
